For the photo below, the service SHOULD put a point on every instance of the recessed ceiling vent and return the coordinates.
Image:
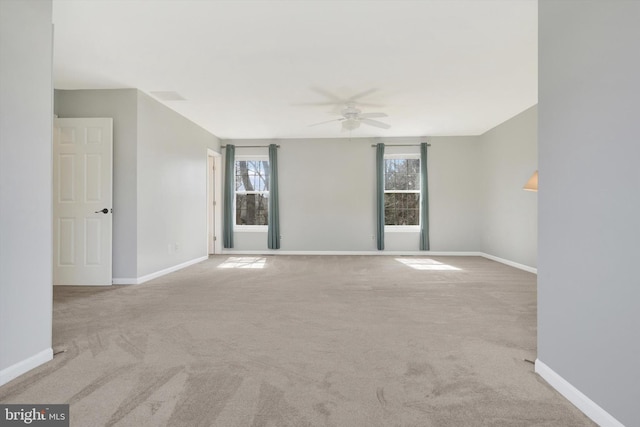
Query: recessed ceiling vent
(168, 96)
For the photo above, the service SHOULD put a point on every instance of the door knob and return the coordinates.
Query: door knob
(104, 211)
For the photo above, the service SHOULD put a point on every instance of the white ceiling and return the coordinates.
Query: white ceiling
(439, 67)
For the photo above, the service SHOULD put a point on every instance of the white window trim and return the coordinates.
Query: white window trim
(404, 228)
(248, 228)
(251, 228)
(402, 156)
(249, 157)
(402, 191)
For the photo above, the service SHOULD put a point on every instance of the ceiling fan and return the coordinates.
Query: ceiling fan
(352, 117)
(332, 99)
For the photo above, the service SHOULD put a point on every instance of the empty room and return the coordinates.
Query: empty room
(319, 213)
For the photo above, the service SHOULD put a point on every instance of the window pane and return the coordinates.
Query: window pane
(413, 181)
(389, 216)
(252, 175)
(251, 209)
(402, 166)
(402, 174)
(413, 166)
(388, 180)
(401, 208)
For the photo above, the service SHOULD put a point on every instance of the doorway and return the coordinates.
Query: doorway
(214, 198)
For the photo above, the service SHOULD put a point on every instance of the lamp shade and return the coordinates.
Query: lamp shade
(532, 184)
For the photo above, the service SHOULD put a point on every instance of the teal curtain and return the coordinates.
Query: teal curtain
(229, 194)
(380, 195)
(424, 199)
(273, 215)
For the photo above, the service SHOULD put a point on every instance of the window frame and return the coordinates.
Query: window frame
(404, 156)
(247, 227)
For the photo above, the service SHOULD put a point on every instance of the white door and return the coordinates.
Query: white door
(82, 201)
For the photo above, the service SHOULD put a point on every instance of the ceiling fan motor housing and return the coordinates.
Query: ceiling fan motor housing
(352, 117)
(351, 112)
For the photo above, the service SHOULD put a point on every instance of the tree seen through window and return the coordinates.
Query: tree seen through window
(401, 191)
(252, 192)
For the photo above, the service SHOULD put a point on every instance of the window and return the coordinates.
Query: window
(401, 191)
(252, 192)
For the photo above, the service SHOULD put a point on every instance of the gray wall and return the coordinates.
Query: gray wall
(121, 105)
(476, 197)
(25, 180)
(172, 187)
(510, 215)
(327, 195)
(159, 178)
(589, 152)
(455, 198)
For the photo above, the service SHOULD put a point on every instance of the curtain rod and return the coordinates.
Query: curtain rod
(400, 145)
(250, 146)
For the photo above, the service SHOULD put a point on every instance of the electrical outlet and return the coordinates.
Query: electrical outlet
(177, 246)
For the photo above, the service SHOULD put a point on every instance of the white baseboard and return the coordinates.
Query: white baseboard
(151, 276)
(383, 253)
(575, 396)
(124, 281)
(17, 369)
(510, 263)
(387, 253)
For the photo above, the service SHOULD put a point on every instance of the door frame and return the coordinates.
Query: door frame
(214, 202)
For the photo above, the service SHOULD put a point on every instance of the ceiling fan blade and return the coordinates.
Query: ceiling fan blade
(327, 121)
(334, 99)
(337, 108)
(372, 115)
(375, 123)
(369, 104)
(361, 94)
(314, 103)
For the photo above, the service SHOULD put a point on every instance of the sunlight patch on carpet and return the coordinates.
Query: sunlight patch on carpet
(244, 262)
(426, 264)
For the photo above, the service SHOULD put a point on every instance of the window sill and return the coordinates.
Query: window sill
(251, 229)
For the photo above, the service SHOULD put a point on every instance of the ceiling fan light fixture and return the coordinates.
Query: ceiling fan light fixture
(350, 124)
(352, 116)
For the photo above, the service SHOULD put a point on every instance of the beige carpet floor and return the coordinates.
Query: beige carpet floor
(302, 341)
